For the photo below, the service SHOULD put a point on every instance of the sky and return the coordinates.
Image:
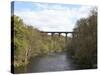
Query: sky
(51, 16)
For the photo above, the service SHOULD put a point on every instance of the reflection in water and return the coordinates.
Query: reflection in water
(52, 62)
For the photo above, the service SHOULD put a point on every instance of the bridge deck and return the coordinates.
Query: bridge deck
(56, 32)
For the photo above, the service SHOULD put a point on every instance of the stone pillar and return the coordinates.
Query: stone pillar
(52, 34)
(66, 34)
(66, 41)
(59, 34)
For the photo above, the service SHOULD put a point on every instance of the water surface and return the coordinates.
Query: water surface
(51, 62)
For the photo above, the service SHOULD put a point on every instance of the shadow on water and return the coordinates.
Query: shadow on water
(48, 63)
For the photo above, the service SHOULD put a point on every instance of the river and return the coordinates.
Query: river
(51, 62)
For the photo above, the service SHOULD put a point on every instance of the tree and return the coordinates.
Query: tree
(29, 42)
(84, 43)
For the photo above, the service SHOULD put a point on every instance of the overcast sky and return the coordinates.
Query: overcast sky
(50, 16)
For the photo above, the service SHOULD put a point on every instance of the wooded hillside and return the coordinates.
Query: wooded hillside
(30, 42)
(83, 46)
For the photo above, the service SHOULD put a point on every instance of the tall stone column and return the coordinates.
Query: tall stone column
(52, 34)
(66, 41)
(59, 34)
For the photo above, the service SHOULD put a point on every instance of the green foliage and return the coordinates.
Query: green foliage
(29, 42)
(83, 45)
